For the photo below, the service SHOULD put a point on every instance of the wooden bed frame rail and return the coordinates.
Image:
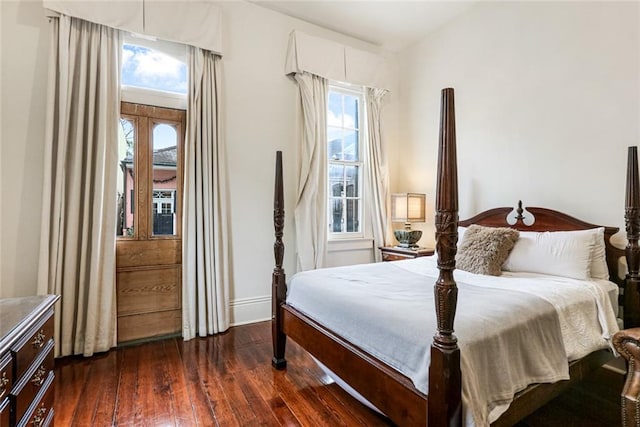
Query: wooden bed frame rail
(394, 393)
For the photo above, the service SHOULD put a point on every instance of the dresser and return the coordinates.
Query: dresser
(26, 361)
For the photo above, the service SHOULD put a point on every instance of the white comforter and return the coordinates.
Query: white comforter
(513, 330)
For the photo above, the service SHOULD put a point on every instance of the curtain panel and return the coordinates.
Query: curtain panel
(77, 248)
(313, 61)
(206, 259)
(310, 215)
(377, 172)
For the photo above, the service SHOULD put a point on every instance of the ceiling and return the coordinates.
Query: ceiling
(392, 25)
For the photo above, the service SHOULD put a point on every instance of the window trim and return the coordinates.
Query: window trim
(157, 98)
(357, 91)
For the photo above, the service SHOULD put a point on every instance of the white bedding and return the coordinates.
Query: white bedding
(504, 324)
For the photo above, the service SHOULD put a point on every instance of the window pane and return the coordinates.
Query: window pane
(165, 158)
(334, 117)
(336, 180)
(350, 112)
(352, 216)
(335, 219)
(151, 69)
(125, 184)
(334, 138)
(351, 179)
(351, 145)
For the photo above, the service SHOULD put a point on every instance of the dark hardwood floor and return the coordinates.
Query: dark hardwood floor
(227, 380)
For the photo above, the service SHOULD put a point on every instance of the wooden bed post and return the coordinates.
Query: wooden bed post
(632, 222)
(445, 386)
(627, 342)
(278, 278)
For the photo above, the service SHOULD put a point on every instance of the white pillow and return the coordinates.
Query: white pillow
(558, 253)
(461, 231)
(599, 269)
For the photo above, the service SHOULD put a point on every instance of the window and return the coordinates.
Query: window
(154, 72)
(149, 68)
(345, 165)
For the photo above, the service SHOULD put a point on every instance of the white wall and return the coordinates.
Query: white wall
(23, 74)
(547, 101)
(259, 113)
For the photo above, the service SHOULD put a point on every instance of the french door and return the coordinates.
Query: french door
(149, 241)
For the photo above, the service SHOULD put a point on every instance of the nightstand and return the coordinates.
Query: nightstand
(395, 253)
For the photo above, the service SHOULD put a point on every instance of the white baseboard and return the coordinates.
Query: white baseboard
(250, 310)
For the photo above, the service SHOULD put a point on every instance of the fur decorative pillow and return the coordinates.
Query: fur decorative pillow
(483, 250)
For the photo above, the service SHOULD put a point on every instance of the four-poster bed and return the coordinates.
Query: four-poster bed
(392, 392)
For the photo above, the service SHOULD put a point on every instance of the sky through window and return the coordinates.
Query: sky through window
(151, 69)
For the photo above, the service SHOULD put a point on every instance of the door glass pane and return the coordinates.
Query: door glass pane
(126, 182)
(165, 160)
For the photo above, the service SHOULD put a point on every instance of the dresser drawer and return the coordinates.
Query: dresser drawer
(6, 376)
(5, 411)
(40, 413)
(28, 387)
(28, 348)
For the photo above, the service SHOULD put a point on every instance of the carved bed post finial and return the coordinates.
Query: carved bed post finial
(632, 251)
(519, 212)
(444, 402)
(278, 278)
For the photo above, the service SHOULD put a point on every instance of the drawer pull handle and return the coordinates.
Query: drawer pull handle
(39, 419)
(3, 384)
(38, 377)
(38, 340)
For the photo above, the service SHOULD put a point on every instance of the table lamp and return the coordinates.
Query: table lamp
(407, 208)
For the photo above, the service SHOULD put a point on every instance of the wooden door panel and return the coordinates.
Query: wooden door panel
(136, 253)
(148, 289)
(148, 267)
(149, 325)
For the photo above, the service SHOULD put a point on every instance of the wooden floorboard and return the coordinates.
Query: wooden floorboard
(227, 380)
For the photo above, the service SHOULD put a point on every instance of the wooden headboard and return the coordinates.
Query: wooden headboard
(542, 219)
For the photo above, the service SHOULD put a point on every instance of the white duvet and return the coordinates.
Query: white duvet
(513, 330)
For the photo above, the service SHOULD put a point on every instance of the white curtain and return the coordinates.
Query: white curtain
(77, 247)
(378, 175)
(205, 237)
(310, 214)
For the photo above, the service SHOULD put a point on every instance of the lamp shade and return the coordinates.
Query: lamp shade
(408, 207)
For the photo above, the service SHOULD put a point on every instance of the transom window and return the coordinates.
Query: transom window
(345, 166)
(149, 68)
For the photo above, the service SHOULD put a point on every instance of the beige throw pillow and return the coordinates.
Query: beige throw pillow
(484, 249)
